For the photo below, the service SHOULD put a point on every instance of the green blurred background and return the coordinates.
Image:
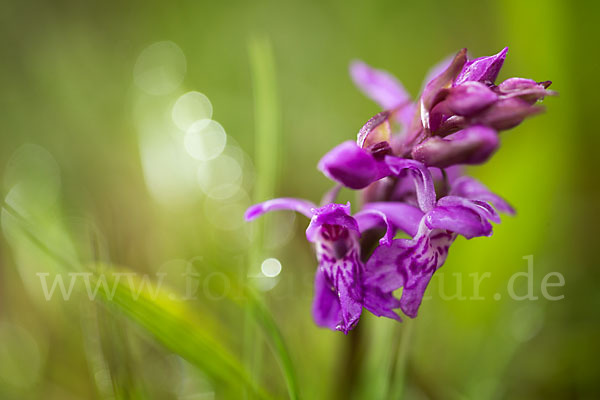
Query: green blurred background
(97, 169)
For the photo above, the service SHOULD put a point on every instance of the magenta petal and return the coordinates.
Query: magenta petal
(381, 304)
(470, 188)
(380, 86)
(401, 215)
(525, 89)
(344, 276)
(469, 98)
(437, 69)
(351, 166)
(285, 203)
(371, 218)
(422, 178)
(432, 90)
(387, 268)
(377, 129)
(483, 69)
(330, 214)
(462, 216)
(472, 145)
(412, 295)
(506, 113)
(326, 309)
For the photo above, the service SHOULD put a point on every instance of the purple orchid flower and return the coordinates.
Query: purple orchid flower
(413, 182)
(411, 263)
(345, 283)
(460, 111)
(339, 297)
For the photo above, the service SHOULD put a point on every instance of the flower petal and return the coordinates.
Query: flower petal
(472, 145)
(387, 267)
(470, 188)
(377, 129)
(284, 203)
(469, 98)
(483, 69)
(442, 81)
(462, 216)
(412, 295)
(401, 215)
(407, 264)
(525, 89)
(343, 275)
(372, 218)
(326, 309)
(330, 214)
(352, 166)
(381, 304)
(506, 113)
(422, 178)
(380, 86)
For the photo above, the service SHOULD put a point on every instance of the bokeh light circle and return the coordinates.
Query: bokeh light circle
(189, 108)
(160, 68)
(205, 140)
(271, 267)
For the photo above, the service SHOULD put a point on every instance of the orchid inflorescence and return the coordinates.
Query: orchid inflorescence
(407, 163)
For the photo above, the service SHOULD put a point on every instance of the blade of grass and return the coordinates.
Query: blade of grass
(173, 324)
(398, 378)
(266, 148)
(180, 330)
(265, 320)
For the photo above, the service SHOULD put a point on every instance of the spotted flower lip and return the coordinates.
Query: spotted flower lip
(339, 296)
(410, 263)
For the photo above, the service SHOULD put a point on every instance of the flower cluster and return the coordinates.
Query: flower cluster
(407, 163)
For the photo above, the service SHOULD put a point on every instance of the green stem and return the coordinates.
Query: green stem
(266, 147)
(398, 377)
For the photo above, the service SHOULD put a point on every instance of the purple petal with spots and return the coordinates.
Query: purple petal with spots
(326, 309)
(331, 214)
(338, 252)
(379, 303)
(380, 86)
(408, 264)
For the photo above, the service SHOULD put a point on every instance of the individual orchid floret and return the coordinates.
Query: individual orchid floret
(339, 297)
(410, 263)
